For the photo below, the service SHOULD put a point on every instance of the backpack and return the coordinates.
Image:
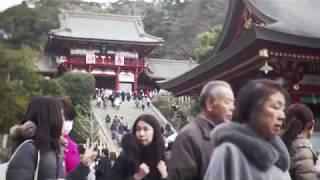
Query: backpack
(4, 166)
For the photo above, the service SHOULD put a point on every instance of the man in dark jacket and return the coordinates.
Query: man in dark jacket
(192, 150)
(103, 169)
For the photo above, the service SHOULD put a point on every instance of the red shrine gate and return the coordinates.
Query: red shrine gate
(111, 47)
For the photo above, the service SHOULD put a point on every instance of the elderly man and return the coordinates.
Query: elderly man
(192, 149)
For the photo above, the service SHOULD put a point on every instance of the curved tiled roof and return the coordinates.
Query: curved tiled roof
(295, 17)
(167, 69)
(98, 26)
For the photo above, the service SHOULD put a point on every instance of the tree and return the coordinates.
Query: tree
(81, 127)
(79, 87)
(28, 26)
(52, 88)
(19, 81)
(156, 23)
(207, 40)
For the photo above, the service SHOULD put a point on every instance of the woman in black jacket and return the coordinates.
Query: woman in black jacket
(143, 152)
(46, 113)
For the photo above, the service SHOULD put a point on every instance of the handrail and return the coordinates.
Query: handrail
(106, 135)
(163, 119)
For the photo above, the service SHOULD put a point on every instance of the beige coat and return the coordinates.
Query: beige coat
(303, 159)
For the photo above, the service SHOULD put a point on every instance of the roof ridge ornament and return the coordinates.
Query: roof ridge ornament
(248, 23)
(266, 68)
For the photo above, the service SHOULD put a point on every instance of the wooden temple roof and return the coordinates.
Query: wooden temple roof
(103, 27)
(289, 20)
(297, 18)
(292, 23)
(164, 69)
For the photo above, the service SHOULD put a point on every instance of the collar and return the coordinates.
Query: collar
(205, 125)
(301, 142)
(262, 153)
(211, 123)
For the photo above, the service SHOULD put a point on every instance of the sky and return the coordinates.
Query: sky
(4, 4)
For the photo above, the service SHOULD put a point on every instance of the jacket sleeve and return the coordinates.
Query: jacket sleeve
(100, 168)
(304, 168)
(182, 163)
(23, 164)
(120, 169)
(79, 173)
(103, 168)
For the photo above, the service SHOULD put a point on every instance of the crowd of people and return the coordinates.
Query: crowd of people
(142, 98)
(118, 128)
(254, 136)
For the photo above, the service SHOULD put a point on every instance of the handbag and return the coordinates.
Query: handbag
(4, 166)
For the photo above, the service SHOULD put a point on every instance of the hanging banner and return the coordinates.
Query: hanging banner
(126, 54)
(126, 77)
(309, 79)
(83, 51)
(119, 60)
(90, 58)
(310, 99)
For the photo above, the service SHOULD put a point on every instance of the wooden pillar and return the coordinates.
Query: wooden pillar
(90, 68)
(117, 85)
(135, 83)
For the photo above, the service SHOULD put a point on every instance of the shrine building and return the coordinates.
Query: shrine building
(111, 47)
(263, 39)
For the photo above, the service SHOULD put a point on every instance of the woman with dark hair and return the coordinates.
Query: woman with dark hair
(250, 148)
(143, 152)
(299, 129)
(46, 113)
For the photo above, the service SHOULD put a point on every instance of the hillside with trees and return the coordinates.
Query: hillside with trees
(178, 22)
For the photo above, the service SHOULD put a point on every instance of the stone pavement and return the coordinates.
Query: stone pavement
(127, 109)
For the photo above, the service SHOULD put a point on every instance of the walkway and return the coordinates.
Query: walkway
(128, 111)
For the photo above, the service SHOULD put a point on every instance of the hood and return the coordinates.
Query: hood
(300, 143)
(129, 143)
(262, 153)
(24, 131)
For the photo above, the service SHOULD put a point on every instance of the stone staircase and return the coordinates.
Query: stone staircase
(129, 112)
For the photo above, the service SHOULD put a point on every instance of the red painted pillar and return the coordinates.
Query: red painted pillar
(135, 83)
(295, 98)
(90, 68)
(117, 85)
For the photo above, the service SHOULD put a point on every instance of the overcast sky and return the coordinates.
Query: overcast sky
(4, 4)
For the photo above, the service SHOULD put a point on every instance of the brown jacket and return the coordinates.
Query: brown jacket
(303, 160)
(191, 151)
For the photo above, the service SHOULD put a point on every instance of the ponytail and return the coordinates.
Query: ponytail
(294, 127)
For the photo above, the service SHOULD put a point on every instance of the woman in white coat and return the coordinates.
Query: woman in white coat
(249, 149)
